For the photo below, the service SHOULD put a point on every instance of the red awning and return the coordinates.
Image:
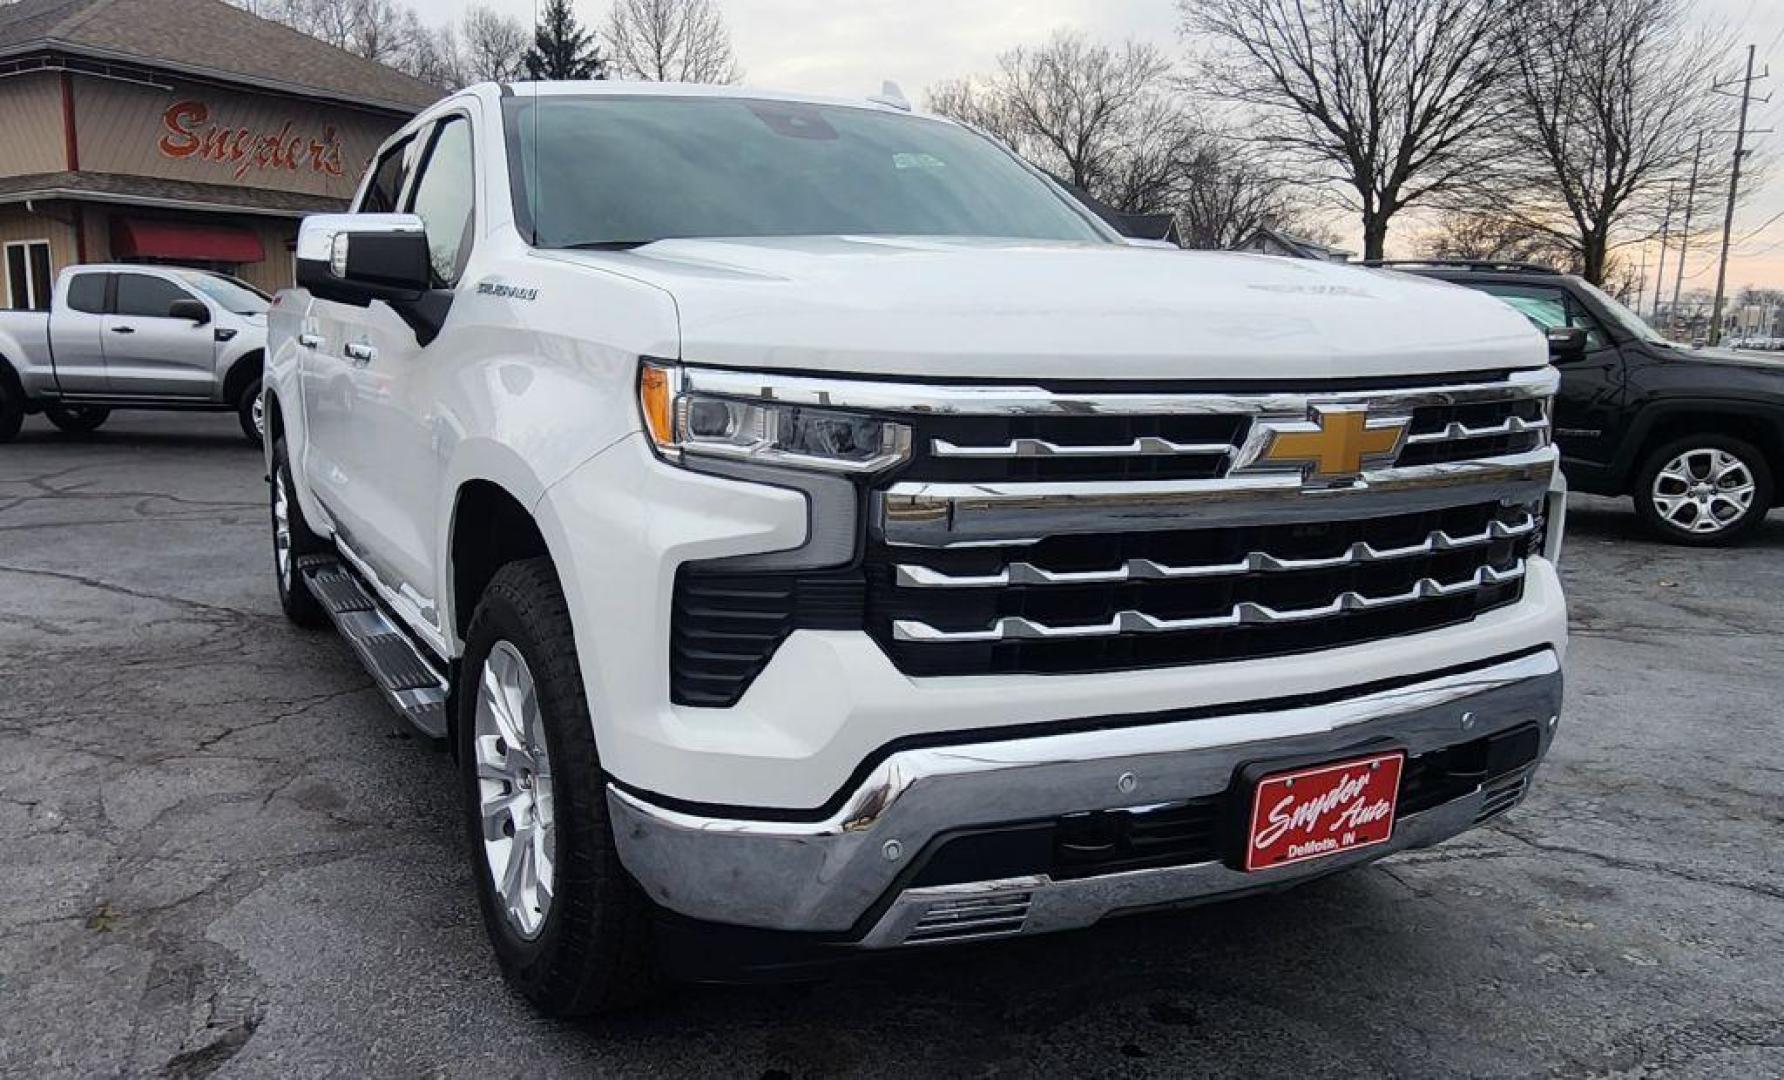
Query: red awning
(180, 241)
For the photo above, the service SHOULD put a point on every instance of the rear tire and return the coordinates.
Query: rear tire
(251, 411)
(292, 540)
(1704, 491)
(572, 931)
(77, 419)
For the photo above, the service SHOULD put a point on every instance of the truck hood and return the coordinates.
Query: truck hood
(1027, 310)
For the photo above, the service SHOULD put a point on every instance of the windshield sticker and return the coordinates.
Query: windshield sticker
(917, 161)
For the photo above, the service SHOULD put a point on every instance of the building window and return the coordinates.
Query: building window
(28, 277)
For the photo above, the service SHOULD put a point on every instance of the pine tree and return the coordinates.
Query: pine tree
(562, 49)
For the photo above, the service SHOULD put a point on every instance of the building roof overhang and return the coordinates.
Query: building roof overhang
(162, 194)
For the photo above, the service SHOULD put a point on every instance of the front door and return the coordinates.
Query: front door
(150, 354)
(384, 428)
(1590, 399)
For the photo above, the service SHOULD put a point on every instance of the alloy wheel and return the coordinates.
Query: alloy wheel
(1704, 491)
(514, 790)
(281, 531)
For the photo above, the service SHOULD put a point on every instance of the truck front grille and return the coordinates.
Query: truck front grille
(1050, 531)
(1119, 601)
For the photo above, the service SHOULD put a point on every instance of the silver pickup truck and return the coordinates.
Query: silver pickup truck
(134, 337)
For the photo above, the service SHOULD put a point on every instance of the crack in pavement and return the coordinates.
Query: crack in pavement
(138, 594)
(1770, 892)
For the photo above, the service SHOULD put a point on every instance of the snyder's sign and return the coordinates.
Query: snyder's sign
(189, 131)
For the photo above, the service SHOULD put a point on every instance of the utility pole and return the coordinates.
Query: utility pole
(1672, 321)
(1672, 191)
(1734, 185)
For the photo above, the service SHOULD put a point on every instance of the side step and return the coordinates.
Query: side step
(409, 680)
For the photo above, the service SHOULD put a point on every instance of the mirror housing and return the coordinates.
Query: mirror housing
(1566, 343)
(358, 258)
(192, 310)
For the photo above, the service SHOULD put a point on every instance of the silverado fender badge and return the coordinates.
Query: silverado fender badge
(506, 292)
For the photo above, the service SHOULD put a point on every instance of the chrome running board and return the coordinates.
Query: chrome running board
(409, 680)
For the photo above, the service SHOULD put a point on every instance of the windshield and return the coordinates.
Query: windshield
(606, 171)
(1627, 321)
(232, 293)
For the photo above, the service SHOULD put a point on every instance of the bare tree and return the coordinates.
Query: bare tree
(671, 41)
(1390, 98)
(1613, 94)
(1103, 118)
(492, 46)
(1491, 236)
(1224, 194)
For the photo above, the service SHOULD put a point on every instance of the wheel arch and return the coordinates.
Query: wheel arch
(249, 366)
(1761, 425)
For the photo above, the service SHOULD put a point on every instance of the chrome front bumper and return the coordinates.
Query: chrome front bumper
(841, 872)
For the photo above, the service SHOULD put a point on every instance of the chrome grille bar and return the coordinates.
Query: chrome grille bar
(947, 515)
(1023, 573)
(1016, 627)
(1145, 446)
(969, 399)
(1454, 432)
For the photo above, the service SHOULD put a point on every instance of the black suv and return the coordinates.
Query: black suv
(1696, 436)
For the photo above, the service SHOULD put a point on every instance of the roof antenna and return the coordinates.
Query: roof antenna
(891, 95)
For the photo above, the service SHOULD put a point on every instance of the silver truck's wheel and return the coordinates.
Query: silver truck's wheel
(12, 411)
(250, 411)
(571, 929)
(1704, 490)
(77, 419)
(514, 785)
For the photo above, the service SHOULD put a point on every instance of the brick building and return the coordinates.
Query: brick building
(180, 131)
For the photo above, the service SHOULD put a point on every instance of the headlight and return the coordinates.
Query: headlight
(765, 432)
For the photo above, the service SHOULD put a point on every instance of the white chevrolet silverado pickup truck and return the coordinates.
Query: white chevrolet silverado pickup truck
(134, 337)
(817, 534)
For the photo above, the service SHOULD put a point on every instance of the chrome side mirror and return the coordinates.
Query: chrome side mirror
(358, 258)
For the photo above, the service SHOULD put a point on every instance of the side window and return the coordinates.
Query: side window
(1547, 306)
(387, 182)
(86, 293)
(444, 199)
(146, 297)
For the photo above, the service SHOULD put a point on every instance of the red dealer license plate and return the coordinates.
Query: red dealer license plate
(1324, 810)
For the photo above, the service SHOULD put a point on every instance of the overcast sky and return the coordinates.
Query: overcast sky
(848, 47)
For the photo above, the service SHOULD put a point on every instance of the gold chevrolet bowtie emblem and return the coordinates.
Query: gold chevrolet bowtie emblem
(1338, 443)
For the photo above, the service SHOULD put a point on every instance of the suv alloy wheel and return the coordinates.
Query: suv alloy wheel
(1704, 490)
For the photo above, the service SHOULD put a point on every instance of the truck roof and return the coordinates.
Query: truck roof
(620, 88)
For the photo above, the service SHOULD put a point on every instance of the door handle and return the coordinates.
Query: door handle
(310, 341)
(360, 352)
(123, 329)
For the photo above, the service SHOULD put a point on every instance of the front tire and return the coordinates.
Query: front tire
(250, 409)
(1704, 490)
(12, 412)
(571, 929)
(292, 540)
(77, 419)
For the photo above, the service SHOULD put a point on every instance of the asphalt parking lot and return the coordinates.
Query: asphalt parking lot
(223, 854)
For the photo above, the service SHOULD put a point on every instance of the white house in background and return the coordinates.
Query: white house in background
(1268, 241)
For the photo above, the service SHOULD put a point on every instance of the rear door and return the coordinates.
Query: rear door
(77, 332)
(150, 354)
